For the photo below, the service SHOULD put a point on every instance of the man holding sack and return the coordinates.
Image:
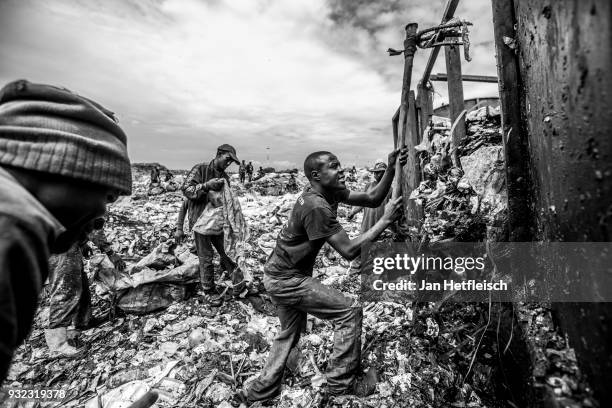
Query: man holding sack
(203, 184)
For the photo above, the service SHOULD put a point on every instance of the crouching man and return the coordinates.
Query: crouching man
(288, 273)
(62, 160)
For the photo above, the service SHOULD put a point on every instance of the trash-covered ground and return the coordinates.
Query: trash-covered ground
(425, 355)
(555, 373)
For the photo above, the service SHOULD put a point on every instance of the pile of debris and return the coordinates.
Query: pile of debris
(135, 226)
(142, 187)
(554, 372)
(195, 355)
(272, 184)
(461, 200)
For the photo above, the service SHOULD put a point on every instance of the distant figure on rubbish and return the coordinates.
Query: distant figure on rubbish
(59, 169)
(288, 274)
(260, 174)
(155, 175)
(242, 172)
(292, 186)
(249, 171)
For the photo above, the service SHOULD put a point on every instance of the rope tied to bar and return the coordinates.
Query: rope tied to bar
(438, 35)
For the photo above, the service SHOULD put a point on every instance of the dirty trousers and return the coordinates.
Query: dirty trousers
(204, 247)
(70, 299)
(294, 298)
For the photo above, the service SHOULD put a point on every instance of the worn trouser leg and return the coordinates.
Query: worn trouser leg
(346, 315)
(83, 316)
(308, 295)
(226, 262)
(70, 300)
(268, 384)
(205, 256)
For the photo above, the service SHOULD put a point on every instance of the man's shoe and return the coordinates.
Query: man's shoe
(365, 385)
(211, 298)
(240, 397)
(238, 288)
(94, 321)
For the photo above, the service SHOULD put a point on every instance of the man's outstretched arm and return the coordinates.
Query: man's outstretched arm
(375, 196)
(351, 248)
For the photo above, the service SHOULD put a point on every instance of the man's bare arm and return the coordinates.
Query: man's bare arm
(375, 196)
(351, 248)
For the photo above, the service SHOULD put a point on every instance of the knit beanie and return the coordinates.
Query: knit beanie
(52, 130)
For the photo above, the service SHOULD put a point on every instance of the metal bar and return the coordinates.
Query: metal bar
(455, 96)
(425, 103)
(449, 12)
(409, 50)
(514, 134)
(466, 78)
(395, 122)
(412, 171)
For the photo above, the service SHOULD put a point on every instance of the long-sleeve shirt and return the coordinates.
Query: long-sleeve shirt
(193, 188)
(27, 232)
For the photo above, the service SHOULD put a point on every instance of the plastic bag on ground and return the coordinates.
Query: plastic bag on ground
(124, 395)
(150, 297)
(223, 213)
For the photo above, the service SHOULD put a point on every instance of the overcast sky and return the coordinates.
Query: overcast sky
(275, 78)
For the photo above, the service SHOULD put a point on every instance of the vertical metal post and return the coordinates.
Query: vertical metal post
(412, 171)
(425, 104)
(409, 50)
(395, 124)
(455, 93)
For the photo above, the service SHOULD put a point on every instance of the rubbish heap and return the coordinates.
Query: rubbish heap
(135, 226)
(463, 200)
(271, 184)
(142, 186)
(195, 355)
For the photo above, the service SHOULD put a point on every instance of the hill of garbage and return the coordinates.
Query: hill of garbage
(161, 335)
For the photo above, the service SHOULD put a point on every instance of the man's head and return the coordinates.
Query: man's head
(323, 168)
(76, 204)
(226, 154)
(70, 155)
(243, 162)
(379, 169)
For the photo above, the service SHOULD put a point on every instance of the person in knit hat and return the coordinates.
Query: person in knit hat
(63, 158)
